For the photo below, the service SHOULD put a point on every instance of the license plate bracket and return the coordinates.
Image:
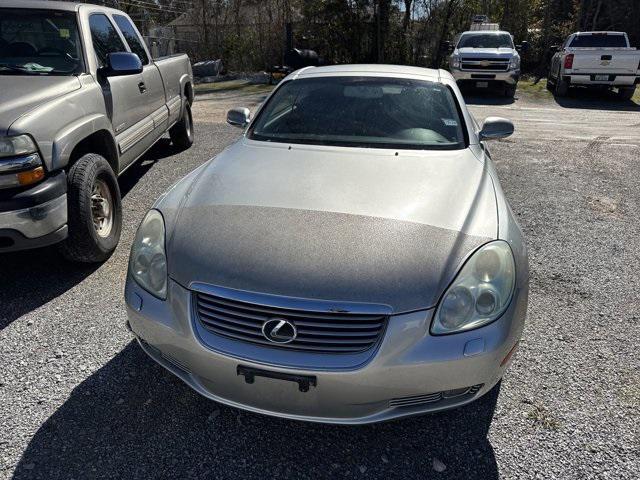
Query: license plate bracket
(303, 381)
(482, 84)
(601, 78)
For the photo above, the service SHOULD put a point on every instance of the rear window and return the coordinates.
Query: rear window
(598, 41)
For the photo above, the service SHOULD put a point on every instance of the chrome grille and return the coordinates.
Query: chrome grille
(485, 64)
(318, 332)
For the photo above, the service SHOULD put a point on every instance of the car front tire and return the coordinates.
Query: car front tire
(94, 211)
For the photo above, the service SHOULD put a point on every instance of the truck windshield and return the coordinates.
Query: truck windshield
(485, 40)
(39, 42)
(598, 41)
(362, 112)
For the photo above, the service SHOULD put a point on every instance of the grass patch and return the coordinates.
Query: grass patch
(538, 90)
(233, 86)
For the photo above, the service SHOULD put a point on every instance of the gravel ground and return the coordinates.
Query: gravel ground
(78, 399)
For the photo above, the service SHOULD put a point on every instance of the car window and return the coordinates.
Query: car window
(39, 42)
(105, 37)
(486, 40)
(598, 41)
(368, 112)
(131, 36)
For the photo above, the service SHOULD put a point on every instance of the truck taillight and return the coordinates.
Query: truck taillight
(568, 61)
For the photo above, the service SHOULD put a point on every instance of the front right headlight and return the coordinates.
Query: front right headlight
(148, 261)
(455, 61)
(16, 146)
(480, 293)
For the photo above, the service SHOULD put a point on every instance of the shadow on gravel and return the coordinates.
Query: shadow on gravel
(596, 100)
(32, 278)
(473, 98)
(132, 419)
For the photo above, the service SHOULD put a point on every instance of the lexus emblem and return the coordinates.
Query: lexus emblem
(278, 330)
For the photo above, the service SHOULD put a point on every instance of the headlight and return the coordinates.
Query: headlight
(480, 293)
(514, 63)
(18, 145)
(455, 61)
(148, 262)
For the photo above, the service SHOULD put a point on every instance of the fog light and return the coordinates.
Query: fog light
(30, 176)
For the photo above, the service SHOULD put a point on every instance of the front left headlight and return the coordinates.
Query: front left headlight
(480, 293)
(514, 63)
(18, 145)
(148, 261)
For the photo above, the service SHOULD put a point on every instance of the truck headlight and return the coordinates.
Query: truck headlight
(148, 261)
(455, 61)
(514, 63)
(15, 146)
(480, 293)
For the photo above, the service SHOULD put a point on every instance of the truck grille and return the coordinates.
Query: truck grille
(485, 64)
(317, 332)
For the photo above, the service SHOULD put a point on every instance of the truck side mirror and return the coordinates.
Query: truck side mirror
(495, 128)
(121, 63)
(523, 47)
(239, 117)
(554, 48)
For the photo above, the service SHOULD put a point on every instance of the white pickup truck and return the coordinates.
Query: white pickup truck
(595, 59)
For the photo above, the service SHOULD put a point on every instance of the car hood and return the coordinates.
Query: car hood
(501, 53)
(21, 93)
(343, 224)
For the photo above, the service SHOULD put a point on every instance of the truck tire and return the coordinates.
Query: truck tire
(182, 132)
(95, 211)
(510, 91)
(562, 87)
(626, 93)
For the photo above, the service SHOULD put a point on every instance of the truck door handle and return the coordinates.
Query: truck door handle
(142, 87)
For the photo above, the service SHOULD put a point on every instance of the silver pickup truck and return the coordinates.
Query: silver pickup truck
(81, 99)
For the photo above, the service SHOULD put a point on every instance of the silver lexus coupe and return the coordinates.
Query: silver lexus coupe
(350, 259)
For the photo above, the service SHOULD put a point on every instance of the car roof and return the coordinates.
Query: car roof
(40, 4)
(494, 32)
(603, 32)
(369, 70)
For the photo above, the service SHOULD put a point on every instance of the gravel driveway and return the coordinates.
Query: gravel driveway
(78, 399)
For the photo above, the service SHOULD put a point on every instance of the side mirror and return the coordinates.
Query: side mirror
(523, 47)
(122, 63)
(495, 128)
(239, 117)
(446, 47)
(554, 48)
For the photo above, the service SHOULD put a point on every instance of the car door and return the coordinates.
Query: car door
(153, 88)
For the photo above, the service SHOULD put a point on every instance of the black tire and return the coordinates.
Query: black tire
(87, 243)
(550, 85)
(510, 91)
(182, 132)
(562, 87)
(626, 93)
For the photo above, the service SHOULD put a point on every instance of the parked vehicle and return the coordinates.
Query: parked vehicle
(595, 59)
(80, 101)
(481, 58)
(375, 272)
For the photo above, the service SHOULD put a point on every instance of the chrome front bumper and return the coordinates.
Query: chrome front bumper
(35, 217)
(509, 77)
(405, 375)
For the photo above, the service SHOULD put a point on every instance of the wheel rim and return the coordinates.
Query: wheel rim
(102, 208)
(187, 122)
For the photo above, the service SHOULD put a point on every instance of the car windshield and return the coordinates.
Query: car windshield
(485, 40)
(361, 112)
(39, 42)
(598, 41)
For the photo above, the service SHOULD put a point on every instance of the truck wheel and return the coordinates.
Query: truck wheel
(562, 87)
(95, 211)
(626, 93)
(182, 132)
(510, 91)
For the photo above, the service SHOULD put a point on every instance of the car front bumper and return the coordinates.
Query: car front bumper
(34, 217)
(405, 375)
(510, 77)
